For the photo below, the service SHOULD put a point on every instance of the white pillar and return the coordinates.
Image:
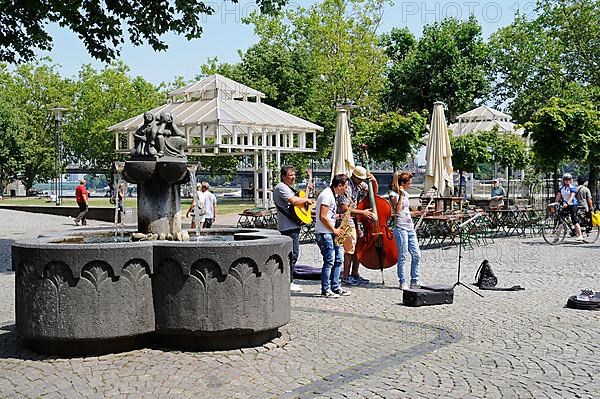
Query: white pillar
(265, 179)
(256, 169)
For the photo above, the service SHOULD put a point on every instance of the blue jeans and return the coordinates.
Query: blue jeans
(294, 234)
(333, 259)
(406, 241)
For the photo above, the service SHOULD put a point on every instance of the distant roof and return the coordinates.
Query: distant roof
(503, 127)
(219, 109)
(213, 86)
(483, 118)
(483, 113)
(193, 114)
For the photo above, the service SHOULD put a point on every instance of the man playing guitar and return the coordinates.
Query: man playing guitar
(283, 195)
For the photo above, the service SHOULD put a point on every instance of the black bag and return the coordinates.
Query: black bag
(428, 295)
(485, 279)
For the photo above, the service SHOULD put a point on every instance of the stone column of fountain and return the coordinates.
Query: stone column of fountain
(158, 166)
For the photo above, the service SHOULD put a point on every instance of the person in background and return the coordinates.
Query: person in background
(566, 196)
(210, 206)
(283, 195)
(81, 197)
(199, 210)
(497, 195)
(583, 195)
(326, 232)
(404, 229)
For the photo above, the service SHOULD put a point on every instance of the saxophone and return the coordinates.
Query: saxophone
(345, 226)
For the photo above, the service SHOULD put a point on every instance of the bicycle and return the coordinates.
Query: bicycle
(558, 223)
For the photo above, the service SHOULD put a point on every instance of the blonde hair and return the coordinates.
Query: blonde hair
(397, 181)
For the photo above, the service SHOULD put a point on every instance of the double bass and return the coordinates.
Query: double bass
(377, 248)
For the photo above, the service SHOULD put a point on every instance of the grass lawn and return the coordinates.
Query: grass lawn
(224, 207)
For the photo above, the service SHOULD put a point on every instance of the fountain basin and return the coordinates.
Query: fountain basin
(78, 298)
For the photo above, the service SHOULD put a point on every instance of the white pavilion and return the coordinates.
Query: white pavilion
(221, 117)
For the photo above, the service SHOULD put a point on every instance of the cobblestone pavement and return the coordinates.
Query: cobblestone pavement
(509, 344)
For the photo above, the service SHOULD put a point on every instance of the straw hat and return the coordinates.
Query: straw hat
(359, 172)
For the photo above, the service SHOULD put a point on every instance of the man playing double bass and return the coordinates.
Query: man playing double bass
(357, 190)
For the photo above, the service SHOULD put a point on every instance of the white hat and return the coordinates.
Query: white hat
(359, 172)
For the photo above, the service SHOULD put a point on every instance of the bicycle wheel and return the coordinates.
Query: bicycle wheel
(590, 234)
(554, 230)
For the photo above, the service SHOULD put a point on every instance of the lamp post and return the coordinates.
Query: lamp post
(57, 112)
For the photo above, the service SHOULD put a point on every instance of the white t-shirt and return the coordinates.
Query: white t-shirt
(326, 198)
(209, 205)
(403, 220)
(202, 211)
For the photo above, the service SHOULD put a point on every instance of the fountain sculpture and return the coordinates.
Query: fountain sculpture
(86, 292)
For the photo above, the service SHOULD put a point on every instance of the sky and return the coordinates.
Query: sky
(225, 34)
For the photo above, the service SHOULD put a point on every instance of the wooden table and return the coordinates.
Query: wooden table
(445, 204)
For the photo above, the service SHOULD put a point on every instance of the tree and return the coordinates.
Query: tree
(510, 152)
(30, 91)
(468, 151)
(309, 60)
(11, 156)
(392, 136)
(556, 54)
(101, 99)
(101, 24)
(562, 131)
(448, 63)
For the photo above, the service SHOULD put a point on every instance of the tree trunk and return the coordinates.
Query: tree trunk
(508, 187)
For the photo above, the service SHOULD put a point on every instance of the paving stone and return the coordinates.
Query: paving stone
(508, 344)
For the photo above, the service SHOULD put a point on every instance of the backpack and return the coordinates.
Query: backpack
(485, 279)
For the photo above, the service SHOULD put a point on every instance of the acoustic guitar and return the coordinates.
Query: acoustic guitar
(303, 212)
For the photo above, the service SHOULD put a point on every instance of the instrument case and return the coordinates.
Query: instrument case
(593, 303)
(428, 295)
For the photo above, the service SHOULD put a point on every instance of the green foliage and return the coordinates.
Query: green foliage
(556, 54)
(468, 151)
(563, 131)
(11, 157)
(391, 136)
(101, 99)
(309, 60)
(510, 151)
(448, 63)
(28, 93)
(101, 25)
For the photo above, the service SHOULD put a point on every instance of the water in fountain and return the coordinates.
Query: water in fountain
(119, 229)
(193, 182)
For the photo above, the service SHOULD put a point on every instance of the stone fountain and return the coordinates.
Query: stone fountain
(87, 292)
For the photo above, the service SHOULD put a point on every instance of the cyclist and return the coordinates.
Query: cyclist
(566, 195)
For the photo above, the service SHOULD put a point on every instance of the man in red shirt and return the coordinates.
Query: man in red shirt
(81, 196)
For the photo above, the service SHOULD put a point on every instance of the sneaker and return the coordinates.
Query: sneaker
(579, 238)
(351, 281)
(76, 222)
(360, 280)
(295, 287)
(403, 286)
(341, 292)
(415, 285)
(330, 294)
